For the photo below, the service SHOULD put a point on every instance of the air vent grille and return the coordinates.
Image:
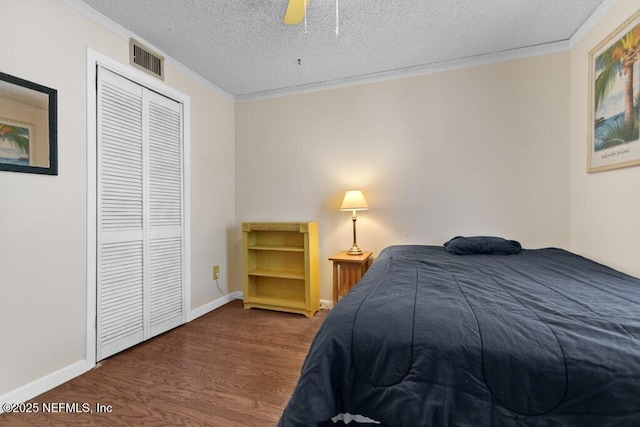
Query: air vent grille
(145, 59)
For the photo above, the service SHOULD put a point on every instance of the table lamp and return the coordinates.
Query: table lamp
(354, 201)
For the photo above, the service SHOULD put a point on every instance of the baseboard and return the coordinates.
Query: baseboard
(326, 303)
(210, 306)
(46, 383)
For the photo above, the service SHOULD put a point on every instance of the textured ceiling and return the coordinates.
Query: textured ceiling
(243, 47)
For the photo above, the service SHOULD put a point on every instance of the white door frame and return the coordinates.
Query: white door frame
(94, 59)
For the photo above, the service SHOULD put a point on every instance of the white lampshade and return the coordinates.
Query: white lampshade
(354, 201)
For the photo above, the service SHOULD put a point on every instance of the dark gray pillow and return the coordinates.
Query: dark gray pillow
(482, 245)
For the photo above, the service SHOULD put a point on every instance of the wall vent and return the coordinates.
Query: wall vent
(145, 59)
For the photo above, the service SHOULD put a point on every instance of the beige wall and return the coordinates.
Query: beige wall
(481, 150)
(605, 206)
(43, 218)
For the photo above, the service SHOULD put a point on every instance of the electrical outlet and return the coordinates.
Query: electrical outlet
(216, 272)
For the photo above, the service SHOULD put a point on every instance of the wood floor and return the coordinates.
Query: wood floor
(231, 367)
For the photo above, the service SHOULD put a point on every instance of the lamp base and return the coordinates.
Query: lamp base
(354, 251)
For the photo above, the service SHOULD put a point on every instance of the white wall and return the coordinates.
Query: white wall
(481, 150)
(605, 206)
(43, 218)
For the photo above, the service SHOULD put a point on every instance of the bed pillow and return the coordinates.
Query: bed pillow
(482, 245)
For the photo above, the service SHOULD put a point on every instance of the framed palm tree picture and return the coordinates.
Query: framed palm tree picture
(614, 119)
(16, 145)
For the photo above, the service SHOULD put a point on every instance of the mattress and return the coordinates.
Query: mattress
(428, 338)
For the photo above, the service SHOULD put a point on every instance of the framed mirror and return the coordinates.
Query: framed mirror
(28, 126)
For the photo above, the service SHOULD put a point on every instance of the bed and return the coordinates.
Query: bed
(429, 338)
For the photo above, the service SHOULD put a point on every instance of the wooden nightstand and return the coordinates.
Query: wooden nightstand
(347, 271)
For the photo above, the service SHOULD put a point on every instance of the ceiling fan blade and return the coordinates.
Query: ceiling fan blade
(295, 12)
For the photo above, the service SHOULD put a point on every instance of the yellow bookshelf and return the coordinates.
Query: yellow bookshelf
(280, 266)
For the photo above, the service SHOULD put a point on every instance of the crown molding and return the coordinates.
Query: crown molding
(490, 58)
(123, 33)
(591, 21)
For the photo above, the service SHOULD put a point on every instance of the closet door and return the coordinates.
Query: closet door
(120, 240)
(165, 218)
(140, 214)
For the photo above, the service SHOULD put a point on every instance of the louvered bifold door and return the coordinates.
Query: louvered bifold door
(120, 190)
(140, 277)
(165, 214)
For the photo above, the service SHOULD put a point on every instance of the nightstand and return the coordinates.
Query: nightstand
(347, 271)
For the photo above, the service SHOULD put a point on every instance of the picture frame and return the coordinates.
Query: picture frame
(28, 126)
(614, 99)
(16, 145)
